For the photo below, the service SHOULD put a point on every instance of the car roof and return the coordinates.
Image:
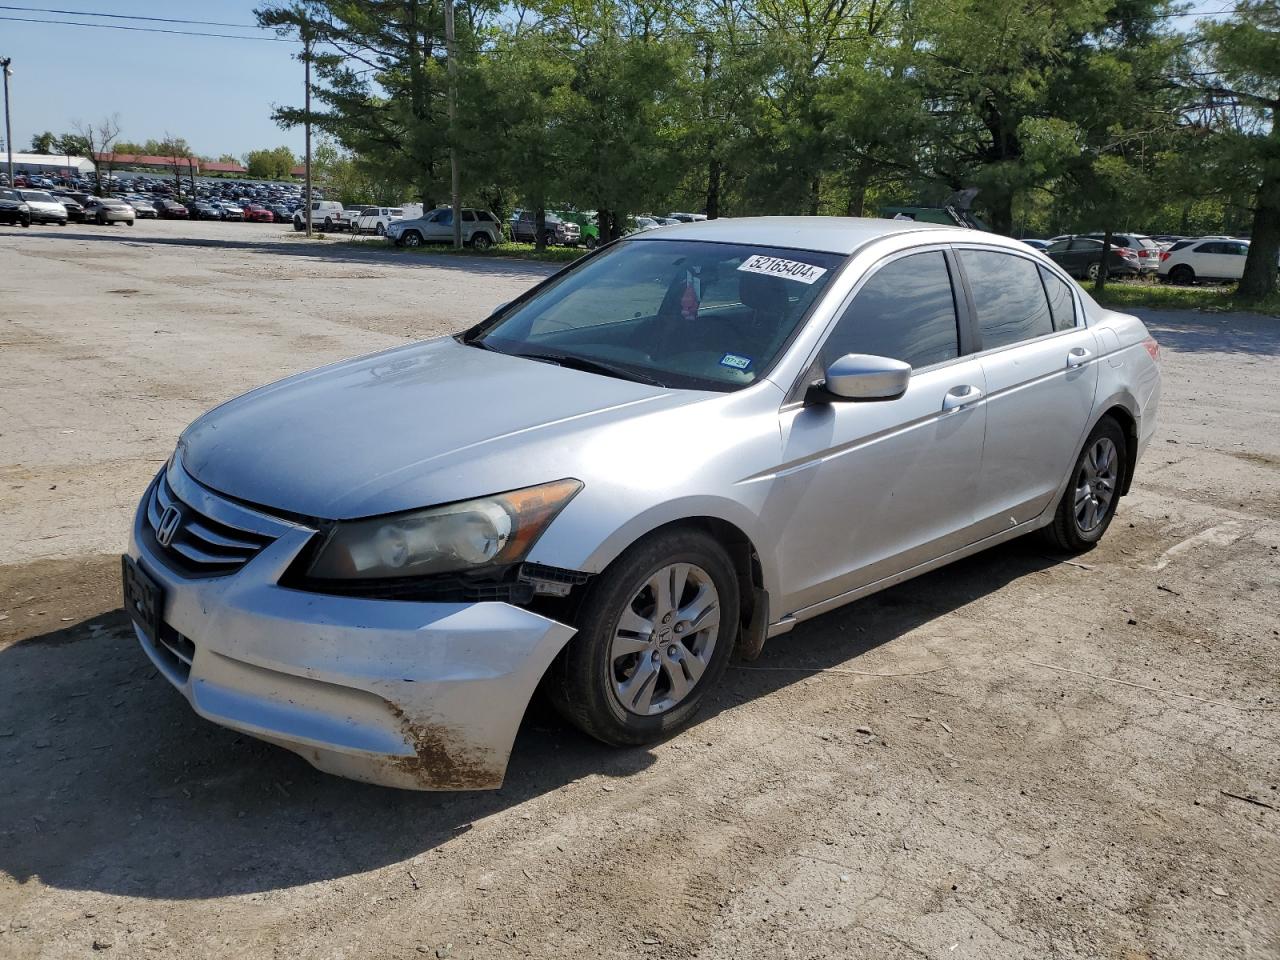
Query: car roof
(842, 235)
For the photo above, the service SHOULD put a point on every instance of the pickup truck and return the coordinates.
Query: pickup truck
(564, 232)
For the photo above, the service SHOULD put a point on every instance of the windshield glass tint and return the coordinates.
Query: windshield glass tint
(684, 313)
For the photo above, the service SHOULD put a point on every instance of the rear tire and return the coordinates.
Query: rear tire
(629, 648)
(481, 242)
(1182, 275)
(591, 243)
(381, 230)
(1089, 503)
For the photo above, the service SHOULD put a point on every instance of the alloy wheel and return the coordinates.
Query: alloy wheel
(664, 639)
(1096, 484)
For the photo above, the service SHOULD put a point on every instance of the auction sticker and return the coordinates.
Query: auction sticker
(735, 361)
(778, 267)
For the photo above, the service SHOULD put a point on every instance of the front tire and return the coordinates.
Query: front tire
(413, 239)
(655, 633)
(1093, 492)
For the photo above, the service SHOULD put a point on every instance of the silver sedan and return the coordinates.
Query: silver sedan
(661, 457)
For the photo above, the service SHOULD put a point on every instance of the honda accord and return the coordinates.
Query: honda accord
(678, 448)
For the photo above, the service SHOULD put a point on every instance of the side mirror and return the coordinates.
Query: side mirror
(860, 376)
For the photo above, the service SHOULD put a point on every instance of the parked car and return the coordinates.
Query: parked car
(524, 229)
(687, 217)
(75, 210)
(13, 209)
(45, 207)
(143, 208)
(376, 563)
(1204, 260)
(1082, 257)
(324, 214)
(1147, 249)
(230, 211)
(201, 210)
(281, 212)
(1037, 244)
(377, 219)
(480, 229)
(257, 213)
(172, 210)
(104, 210)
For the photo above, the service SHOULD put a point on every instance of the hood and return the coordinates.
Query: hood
(400, 430)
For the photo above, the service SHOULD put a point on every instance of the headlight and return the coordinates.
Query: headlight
(496, 530)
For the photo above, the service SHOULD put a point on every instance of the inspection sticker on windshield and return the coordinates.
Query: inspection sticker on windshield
(735, 361)
(778, 267)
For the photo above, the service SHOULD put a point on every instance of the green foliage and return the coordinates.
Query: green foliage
(1062, 112)
(274, 164)
(44, 142)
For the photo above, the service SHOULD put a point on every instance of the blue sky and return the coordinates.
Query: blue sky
(217, 93)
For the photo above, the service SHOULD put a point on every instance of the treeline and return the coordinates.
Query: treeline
(1065, 114)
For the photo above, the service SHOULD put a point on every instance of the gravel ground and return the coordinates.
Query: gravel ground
(1014, 757)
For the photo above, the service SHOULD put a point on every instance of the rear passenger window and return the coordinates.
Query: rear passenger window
(1008, 296)
(1062, 306)
(905, 311)
(468, 216)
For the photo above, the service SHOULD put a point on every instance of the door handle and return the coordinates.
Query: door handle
(1078, 356)
(957, 398)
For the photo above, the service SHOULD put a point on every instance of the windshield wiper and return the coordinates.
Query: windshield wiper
(592, 366)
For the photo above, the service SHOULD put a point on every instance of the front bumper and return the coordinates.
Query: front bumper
(422, 696)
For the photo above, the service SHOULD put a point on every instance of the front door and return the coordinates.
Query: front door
(868, 489)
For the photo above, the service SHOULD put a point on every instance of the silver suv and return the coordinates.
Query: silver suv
(480, 229)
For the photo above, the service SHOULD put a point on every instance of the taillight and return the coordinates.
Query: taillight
(1153, 348)
(1164, 255)
(1124, 251)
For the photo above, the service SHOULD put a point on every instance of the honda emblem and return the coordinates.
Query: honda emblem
(168, 525)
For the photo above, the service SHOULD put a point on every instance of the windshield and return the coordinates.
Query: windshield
(39, 196)
(677, 312)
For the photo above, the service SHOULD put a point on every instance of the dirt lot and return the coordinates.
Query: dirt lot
(1064, 759)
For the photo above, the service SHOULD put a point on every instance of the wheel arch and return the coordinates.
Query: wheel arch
(1118, 412)
(750, 565)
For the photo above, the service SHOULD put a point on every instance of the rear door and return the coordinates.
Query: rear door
(871, 489)
(1040, 366)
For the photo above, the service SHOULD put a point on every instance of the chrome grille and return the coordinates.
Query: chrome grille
(195, 542)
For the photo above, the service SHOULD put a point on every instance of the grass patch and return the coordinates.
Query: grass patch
(508, 251)
(1143, 293)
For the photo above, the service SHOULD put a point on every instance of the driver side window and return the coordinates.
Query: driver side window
(905, 311)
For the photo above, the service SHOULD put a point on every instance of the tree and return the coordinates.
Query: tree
(44, 143)
(1242, 74)
(380, 79)
(520, 89)
(99, 141)
(270, 164)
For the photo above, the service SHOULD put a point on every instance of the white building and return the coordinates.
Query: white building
(41, 164)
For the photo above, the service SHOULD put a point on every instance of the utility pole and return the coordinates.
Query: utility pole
(451, 54)
(8, 129)
(306, 58)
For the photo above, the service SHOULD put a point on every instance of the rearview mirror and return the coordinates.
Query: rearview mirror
(860, 376)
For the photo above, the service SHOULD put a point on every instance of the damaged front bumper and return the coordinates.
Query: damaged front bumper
(422, 696)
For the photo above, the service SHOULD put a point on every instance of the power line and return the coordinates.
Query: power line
(125, 16)
(118, 26)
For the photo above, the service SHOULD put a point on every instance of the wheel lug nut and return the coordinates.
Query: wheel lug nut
(679, 628)
(671, 650)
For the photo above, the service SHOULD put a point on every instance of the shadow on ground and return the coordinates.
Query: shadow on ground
(1189, 331)
(109, 782)
(341, 252)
